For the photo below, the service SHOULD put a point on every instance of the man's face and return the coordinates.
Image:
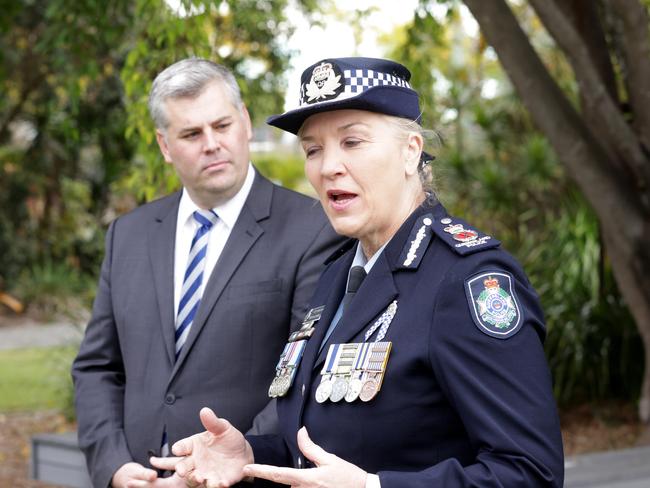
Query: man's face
(207, 142)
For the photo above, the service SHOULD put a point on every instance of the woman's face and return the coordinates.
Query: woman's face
(364, 169)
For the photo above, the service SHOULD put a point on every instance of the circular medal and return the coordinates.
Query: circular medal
(273, 388)
(368, 390)
(339, 389)
(323, 391)
(283, 385)
(354, 388)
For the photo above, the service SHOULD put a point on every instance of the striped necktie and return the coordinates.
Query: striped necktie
(191, 291)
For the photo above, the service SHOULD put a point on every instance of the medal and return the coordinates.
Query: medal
(369, 389)
(339, 389)
(283, 385)
(285, 370)
(354, 388)
(355, 383)
(356, 370)
(324, 390)
(273, 388)
(374, 367)
(341, 370)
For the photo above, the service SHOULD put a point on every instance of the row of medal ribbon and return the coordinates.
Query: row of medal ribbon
(286, 368)
(353, 371)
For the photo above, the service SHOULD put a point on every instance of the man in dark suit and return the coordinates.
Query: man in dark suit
(198, 290)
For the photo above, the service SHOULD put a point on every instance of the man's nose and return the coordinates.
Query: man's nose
(212, 142)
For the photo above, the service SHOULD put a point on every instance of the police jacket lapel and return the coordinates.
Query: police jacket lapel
(375, 294)
(331, 296)
(402, 254)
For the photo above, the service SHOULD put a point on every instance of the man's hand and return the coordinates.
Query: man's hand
(132, 472)
(330, 471)
(215, 457)
(134, 475)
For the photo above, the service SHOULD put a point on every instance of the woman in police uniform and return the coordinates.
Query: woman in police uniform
(429, 371)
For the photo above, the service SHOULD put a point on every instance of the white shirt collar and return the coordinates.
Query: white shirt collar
(228, 212)
(361, 260)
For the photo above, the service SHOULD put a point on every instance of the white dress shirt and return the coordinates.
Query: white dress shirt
(186, 227)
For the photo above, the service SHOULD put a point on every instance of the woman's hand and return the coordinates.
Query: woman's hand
(330, 470)
(214, 458)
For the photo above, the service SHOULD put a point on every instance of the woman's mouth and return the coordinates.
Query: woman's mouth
(340, 199)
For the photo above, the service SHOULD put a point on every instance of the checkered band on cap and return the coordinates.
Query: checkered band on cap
(357, 81)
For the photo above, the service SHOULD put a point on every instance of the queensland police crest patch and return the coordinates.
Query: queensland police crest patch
(493, 304)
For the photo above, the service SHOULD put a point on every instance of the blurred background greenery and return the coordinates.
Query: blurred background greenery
(77, 149)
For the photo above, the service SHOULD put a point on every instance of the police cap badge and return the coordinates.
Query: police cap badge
(376, 85)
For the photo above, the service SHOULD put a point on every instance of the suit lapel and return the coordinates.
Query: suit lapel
(377, 291)
(162, 239)
(242, 237)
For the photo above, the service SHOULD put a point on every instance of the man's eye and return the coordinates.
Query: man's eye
(190, 135)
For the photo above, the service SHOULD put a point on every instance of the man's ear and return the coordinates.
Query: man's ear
(247, 121)
(162, 144)
(413, 149)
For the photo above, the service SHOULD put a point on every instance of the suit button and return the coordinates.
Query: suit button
(299, 462)
(303, 389)
(170, 399)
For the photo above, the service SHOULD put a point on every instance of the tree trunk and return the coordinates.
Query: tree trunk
(617, 201)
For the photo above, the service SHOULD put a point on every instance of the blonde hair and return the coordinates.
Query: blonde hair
(431, 139)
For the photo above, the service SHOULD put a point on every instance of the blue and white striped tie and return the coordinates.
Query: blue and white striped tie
(191, 291)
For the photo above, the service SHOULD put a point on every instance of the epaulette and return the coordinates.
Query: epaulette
(347, 245)
(461, 237)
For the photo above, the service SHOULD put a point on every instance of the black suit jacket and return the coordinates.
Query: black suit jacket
(128, 386)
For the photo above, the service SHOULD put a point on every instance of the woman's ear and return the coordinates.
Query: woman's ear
(413, 150)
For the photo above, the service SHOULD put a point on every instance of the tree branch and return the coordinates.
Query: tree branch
(636, 44)
(583, 15)
(606, 189)
(609, 124)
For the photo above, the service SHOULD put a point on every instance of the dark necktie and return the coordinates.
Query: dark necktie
(355, 278)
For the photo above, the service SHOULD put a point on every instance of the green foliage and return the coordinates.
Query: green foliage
(77, 147)
(36, 379)
(284, 169)
(247, 36)
(60, 132)
(56, 290)
(506, 180)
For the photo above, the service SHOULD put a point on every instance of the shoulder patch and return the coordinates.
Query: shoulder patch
(493, 303)
(461, 237)
(417, 243)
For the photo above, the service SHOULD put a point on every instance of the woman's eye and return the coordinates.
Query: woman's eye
(310, 151)
(351, 142)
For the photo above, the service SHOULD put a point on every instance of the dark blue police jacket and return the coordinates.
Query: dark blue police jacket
(466, 398)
